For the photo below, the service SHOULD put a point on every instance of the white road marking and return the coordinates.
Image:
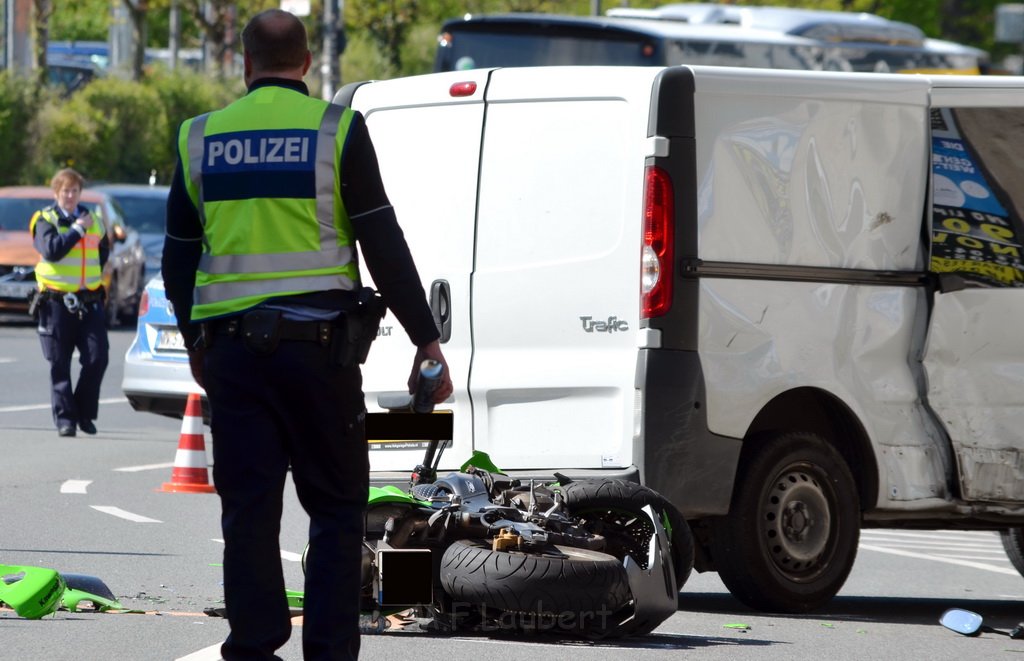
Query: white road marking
(74, 486)
(46, 407)
(146, 467)
(117, 511)
(946, 534)
(938, 558)
(8, 360)
(285, 555)
(211, 653)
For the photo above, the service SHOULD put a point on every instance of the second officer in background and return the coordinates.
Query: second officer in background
(70, 312)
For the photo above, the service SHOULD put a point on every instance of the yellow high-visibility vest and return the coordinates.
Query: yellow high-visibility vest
(263, 175)
(80, 269)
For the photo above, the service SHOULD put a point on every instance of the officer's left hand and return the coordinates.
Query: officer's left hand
(432, 351)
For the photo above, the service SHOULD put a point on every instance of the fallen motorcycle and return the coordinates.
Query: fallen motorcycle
(477, 549)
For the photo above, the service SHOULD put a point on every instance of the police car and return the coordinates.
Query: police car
(157, 378)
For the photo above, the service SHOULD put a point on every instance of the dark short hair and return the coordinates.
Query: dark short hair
(275, 40)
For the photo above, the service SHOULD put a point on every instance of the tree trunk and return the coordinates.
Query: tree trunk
(137, 11)
(41, 12)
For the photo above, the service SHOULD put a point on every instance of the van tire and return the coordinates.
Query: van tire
(1013, 544)
(603, 502)
(790, 539)
(580, 591)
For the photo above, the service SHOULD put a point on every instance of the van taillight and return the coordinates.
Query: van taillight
(467, 88)
(144, 303)
(656, 256)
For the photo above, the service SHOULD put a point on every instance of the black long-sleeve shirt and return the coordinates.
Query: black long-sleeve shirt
(379, 236)
(54, 245)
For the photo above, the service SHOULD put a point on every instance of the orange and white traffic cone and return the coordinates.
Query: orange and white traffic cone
(190, 473)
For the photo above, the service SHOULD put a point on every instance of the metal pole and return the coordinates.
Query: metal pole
(174, 38)
(329, 57)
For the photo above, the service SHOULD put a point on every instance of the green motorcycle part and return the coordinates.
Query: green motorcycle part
(481, 460)
(33, 592)
(390, 494)
(296, 598)
(80, 587)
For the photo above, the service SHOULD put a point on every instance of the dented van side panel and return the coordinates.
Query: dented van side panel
(798, 175)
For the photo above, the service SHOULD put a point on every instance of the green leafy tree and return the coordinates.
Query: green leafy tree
(387, 24)
(81, 20)
(18, 104)
(220, 22)
(113, 130)
(183, 94)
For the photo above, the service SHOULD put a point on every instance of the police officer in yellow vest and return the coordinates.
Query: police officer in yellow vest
(269, 199)
(74, 249)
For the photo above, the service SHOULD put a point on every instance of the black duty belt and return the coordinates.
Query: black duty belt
(84, 296)
(285, 329)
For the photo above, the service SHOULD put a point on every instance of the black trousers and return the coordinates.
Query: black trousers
(290, 407)
(60, 333)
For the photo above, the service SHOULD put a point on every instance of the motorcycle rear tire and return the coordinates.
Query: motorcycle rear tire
(603, 504)
(569, 591)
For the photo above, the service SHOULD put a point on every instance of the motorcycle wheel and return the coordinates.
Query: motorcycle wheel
(567, 590)
(611, 508)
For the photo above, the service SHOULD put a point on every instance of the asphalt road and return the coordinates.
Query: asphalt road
(94, 505)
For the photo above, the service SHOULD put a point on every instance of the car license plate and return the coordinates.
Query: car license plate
(19, 290)
(170, 340)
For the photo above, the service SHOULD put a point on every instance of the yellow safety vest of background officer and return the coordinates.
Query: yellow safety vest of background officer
(70, 312)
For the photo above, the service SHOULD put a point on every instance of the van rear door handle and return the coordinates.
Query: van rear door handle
(440, 306)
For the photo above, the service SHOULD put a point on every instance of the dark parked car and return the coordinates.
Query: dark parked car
(145, 211)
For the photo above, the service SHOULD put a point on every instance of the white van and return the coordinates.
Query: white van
(789, 301)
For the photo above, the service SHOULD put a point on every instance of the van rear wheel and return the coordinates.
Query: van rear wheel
(790, 538)
(1013, 544)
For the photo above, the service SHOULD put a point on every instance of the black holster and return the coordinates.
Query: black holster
(261, 331)
(357, 329)
(34, 299)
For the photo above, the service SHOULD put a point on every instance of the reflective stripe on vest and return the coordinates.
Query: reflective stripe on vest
(80, 268)
(230, 276)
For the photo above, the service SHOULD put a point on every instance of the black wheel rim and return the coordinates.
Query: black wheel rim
(796, 522)
(625, 532)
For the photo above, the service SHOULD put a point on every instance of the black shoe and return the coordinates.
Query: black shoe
(87, 426)
(66, 430)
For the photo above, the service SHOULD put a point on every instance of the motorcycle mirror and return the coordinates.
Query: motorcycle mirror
(961, 621)
(969, 624)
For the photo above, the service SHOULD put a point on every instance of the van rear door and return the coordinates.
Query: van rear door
(426, 132)
(557, 280)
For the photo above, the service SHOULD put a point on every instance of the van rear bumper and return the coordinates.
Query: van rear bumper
(678, 456)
